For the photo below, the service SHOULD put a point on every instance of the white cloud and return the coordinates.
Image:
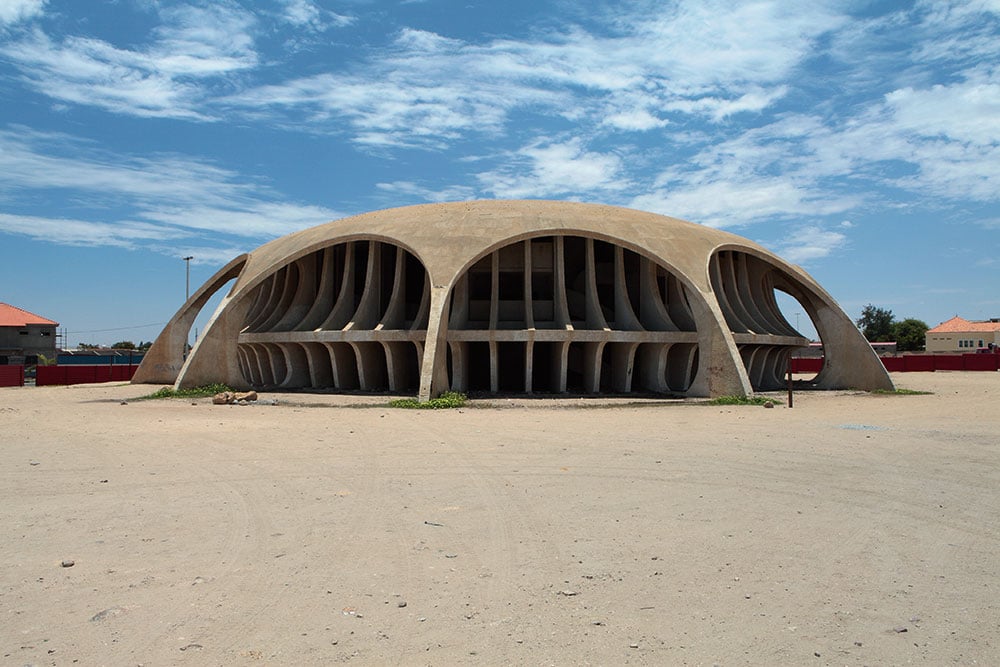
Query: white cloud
(719, 44)
(809, 243)
(305, 14)
(14, 11)
(635, 120)
(704, 60)
(166, 197)
(84, 232)
(411, 189)
(159, 80)
(546, 169)
(731, 203)
(248, 217)
(718, 109)
(967, 112)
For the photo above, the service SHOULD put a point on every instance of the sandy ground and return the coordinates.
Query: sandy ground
(850, 530)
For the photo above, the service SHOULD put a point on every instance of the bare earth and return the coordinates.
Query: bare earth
(851, 530)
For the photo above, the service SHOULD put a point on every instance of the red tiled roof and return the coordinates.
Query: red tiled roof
(12, 316)
(960, 325)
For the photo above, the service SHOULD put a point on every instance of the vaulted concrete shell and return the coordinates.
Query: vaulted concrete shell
(508, 296)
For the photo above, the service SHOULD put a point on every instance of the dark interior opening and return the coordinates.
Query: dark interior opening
(479, 366)
(511, 366)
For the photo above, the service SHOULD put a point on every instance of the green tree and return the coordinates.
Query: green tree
(909, 334)
(123, 345)
(876, 323)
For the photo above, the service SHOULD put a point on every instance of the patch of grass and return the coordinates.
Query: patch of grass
(193, 392)
(449, 399)
(901, 392)
(742, 400)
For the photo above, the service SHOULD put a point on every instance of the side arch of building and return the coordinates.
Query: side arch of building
(510, 297)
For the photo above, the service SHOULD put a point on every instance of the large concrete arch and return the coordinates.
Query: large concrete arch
(165, 358)
(424, 298)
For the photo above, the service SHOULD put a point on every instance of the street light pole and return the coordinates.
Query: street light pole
(187, 277)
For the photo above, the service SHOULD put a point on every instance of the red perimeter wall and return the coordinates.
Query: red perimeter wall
(11, 376)
(916, 362)
(79, 374)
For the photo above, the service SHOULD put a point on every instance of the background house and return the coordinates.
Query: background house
(24, 335)
(961, 335)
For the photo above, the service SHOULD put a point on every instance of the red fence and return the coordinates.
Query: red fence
(79, 374)
(916, 362)
(11, 376)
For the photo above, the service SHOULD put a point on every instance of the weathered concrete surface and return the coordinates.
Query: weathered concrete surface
(424, 298)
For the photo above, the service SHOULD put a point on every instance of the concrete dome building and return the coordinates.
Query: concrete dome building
(508, 296)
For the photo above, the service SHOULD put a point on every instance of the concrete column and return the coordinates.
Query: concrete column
(560, 304)
(678, 306)
(371, 366)
(433, 367)
(393, 317)
(343, 365)
(296, 365)
(745, 287)
(460, 303)
(494, 367)
(459, 366)
(592, 366)
(325, 293)
(397, 355)
(625, 319)
(560, 367)
(279, 369)
(255, 375)
(529, 363)
(266, 298)
(730, 318)
(288, 281)
(622, 365)
(367, 315)
(651, 358)
(304, 297)
(681, 365)
(320, 372)
(494, 290)
(651, 303)
(529, 308)
(344, 306)
(719, 372)
(762, 290)
(595, 318)
(420, 321)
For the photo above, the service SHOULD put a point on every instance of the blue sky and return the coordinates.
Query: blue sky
(858, 139)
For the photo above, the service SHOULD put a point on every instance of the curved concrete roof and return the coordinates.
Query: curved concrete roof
(447, 239)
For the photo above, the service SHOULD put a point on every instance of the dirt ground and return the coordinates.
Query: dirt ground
(854, 529)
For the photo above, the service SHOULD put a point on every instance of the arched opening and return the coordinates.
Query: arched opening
(569, 313)
(806, 361)
(346, 317)
(748, 290)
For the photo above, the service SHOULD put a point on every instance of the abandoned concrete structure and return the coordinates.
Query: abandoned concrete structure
(508, 296)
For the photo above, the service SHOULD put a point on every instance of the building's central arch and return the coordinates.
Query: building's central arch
(560, 313)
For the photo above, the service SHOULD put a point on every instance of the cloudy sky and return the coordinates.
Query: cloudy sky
(860, 139)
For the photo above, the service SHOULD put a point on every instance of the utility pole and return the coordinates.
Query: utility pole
(187, 277)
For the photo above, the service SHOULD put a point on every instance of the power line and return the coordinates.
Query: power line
(139, 326)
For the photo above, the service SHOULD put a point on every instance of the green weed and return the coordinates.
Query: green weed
(449, 399)
(742, 400)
